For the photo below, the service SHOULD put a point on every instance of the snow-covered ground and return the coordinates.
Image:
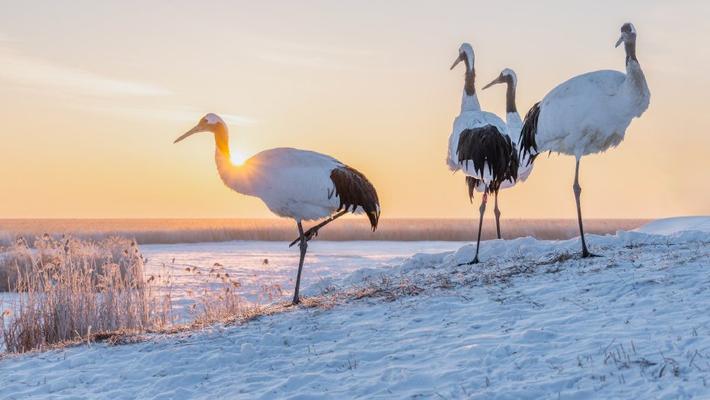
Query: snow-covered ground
(256, 264)
(532, 321)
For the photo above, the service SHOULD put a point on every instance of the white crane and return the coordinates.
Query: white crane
(479, 144)
(299, 184)
(514, 124)
(588, 114)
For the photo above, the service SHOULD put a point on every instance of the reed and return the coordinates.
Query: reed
(68, 290)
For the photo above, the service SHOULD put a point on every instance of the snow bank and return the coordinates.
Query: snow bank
(669, 226)
(532, 321)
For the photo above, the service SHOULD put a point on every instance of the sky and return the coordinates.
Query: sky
(92, 94)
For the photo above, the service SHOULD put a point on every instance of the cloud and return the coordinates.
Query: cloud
(302, 61)
(174, 114)
(312, 55)
(31, 72)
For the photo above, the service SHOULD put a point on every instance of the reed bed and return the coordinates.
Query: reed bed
(160, 231)
(68, 290)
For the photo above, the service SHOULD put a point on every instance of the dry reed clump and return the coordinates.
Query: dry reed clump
(218, 298)
(70, 290)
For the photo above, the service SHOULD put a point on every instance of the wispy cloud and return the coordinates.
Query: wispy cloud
(33, 72)
(312, 55)
(174, 114)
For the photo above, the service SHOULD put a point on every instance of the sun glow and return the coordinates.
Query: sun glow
(237, 157)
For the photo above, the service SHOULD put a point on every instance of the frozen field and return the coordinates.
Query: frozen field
(259, 264)
(532, 321)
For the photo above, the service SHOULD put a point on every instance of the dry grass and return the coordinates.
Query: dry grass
(68, 290)
(147, 231)
(71, 291)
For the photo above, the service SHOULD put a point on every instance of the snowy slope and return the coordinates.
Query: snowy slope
(668, 226)
(532, 321)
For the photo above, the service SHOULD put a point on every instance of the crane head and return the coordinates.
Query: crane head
(209, 123)
(628, 34)
(466, 55)
(506, 76)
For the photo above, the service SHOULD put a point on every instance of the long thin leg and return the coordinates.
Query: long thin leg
(304, 247)
(577, 192)
(314, 230)
(482, 209)
(496, 211)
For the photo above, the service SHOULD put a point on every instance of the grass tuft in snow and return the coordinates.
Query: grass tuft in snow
(71, 290)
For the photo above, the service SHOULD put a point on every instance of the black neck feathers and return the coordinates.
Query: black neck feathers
(630, 47)
(470, 83)
(510, 96)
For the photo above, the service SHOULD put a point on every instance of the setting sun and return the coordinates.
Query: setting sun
(237, 157)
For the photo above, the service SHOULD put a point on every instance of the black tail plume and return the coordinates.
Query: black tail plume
(528, 146)
(354, 190)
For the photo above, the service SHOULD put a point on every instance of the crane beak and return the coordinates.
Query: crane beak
(196, 129)
(618, 42)
(496, 80)
(457, 61)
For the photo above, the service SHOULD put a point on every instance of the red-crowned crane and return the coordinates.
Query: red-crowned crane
(514, 123)
(299, 184)
(479, 144)
(588, 114)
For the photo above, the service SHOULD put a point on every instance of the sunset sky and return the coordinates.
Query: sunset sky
(92, 94)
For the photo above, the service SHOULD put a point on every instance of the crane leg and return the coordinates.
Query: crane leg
(482, 210)
(496, 211)
(303, 246)
(577, 192)
(313, 232)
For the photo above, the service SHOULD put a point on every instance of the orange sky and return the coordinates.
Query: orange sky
(92, 95)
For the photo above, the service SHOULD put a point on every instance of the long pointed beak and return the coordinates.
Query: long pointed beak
(496, 80)
(456, 62)
(188, 133)
(618, 42)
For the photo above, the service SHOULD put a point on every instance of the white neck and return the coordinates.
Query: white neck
(515, 125)
(233, 176)
(470, 103)
(636, 88)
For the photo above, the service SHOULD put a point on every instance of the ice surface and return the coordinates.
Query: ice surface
(531, 321)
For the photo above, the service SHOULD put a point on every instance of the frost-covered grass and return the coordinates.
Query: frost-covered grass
(532, 321)
(69, 290)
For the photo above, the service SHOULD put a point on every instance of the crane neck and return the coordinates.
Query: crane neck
(221, 140)
(470, 103)
(469, 99)
(636, 85)
(232, 175)
(510, 97)
(630, 48)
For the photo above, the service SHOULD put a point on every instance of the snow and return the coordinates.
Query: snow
(532, 321)
(326, 262)
(669, 226)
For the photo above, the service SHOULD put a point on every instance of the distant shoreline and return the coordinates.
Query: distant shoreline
(166, 231)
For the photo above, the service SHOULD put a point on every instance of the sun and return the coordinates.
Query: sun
(237, 157)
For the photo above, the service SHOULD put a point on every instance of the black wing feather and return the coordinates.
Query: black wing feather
(355, 190)
(528, 146)
(487, 145)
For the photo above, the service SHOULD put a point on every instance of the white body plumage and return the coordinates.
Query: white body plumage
(590, 113)
(291, 182)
